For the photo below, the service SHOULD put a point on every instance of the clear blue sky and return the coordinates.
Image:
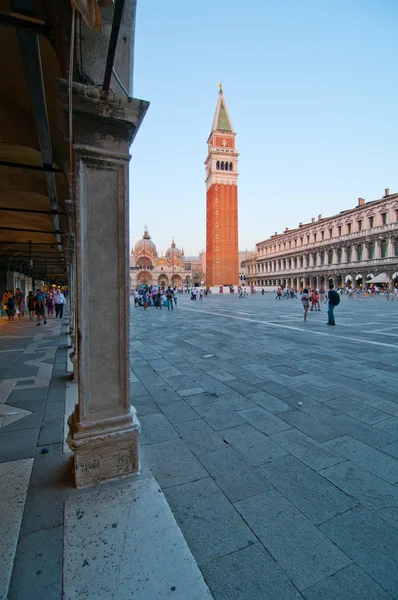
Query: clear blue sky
(311, 89)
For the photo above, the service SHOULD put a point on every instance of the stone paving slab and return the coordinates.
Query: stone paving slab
(391, 449)
(179, 412)
(308, 491)
(253, 445)
(156, 428)
(208, 521)
(234, 475)
(173, 463)
(306, 449)
(218, 416)
(372, 436)
(16, 445)
(316, 429)
(369, 542)
(263, 420)
(390, 425)
(255, 575)
(302, 551)
(391, 408)
(198, 399)
(371, 491)
(235, 401)
(372, 460)
(199, 436)
(366, 414)
(38, 565)
(350, 583)
(14, 480)
(270, 403)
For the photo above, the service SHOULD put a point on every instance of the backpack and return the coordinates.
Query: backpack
(334, 298)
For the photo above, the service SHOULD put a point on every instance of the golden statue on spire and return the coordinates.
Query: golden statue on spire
(220, 86)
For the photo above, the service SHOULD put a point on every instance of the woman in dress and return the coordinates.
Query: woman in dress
(50, 305)
(305, 299)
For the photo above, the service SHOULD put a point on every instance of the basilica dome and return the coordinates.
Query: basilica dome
(173, 250)
(146, 244)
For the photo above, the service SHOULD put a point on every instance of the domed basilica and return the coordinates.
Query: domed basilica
(147, 267)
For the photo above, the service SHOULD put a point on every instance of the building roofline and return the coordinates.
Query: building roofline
(303, 226)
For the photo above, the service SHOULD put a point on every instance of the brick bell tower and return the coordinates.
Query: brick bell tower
(222, 257)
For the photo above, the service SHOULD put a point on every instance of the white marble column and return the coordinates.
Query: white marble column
(103, 429)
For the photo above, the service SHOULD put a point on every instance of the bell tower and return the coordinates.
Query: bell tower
(222, 256)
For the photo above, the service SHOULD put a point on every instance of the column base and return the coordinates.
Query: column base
(104, 450)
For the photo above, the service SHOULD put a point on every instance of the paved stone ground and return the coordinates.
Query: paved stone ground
(115, 540)
(275, 442)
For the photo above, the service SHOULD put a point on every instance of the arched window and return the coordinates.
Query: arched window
(218, 164)
(226, 166)
(230, 167)
(222, 165)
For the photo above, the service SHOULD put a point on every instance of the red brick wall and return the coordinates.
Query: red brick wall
(227, 231)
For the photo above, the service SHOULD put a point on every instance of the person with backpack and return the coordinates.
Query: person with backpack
(334, 300)
(39, 307)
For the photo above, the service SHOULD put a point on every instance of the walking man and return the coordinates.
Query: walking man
(169, 298)
(39, 307)
(334, 300)
(59, 301)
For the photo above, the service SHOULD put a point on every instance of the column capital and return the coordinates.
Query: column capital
(98, 114)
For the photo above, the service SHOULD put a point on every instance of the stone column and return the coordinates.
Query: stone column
(72, 299)
(378, 244)
(103, 429)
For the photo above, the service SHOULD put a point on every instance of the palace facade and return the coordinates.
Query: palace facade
(349, 248)
(172, 268)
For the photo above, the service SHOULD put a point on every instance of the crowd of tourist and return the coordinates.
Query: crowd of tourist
(161, 297)
(37, 304)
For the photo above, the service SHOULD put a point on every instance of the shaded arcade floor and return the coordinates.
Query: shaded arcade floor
(33, 484)
(275, 442)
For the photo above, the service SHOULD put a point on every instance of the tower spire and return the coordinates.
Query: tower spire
(222, 120)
